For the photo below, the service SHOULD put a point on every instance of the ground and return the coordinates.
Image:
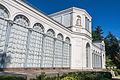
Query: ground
(116, 78)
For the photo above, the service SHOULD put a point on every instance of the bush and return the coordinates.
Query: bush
(104, 76)
(68, 78)
(117, 72)
(87, 75)
(79, 76)
(11, 78)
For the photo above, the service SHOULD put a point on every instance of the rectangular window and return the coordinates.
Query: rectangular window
(87, 23)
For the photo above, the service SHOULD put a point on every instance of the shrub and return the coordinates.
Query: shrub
(87, 76)
(79, 76)
(117, 72)
(11, 78)
(104, 76)
(68, 78)
(94, 76)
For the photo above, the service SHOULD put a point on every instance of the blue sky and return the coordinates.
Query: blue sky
(105, 13)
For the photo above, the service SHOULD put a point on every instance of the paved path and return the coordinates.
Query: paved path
(116, 78)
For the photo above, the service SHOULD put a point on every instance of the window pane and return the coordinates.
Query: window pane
(22, 20)
(3, 12)
(38, 27)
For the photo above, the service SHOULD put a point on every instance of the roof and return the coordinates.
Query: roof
(70, 10)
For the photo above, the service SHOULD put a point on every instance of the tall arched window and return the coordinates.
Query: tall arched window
(17, 45)
(87, 55)
(35, 42)
(66, 53)
(3, 30)
(38, 27)
(49, 49)
(93, 59)
(58, 51)
(22, 20)
(3, 12)
(78, 22)
(3, 24)
(87, 22)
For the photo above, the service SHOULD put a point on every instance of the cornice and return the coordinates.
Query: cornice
(82, 34)
(40, 13)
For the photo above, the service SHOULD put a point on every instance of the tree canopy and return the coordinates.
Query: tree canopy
(97, 34)
(112, 49)
(112, 46)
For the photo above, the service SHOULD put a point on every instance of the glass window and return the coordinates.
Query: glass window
(50, 32)
(66, 53)
(87, 55)
(87, 23)
(60, 36)
(22, 20)
(78, 22)
(35, 46)
(3, 12)
(38, 27)
(58, 51)
(67, 39)
(48, 49)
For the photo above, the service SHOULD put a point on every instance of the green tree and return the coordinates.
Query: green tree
(97, 34)
(112, 49)
(109, 62)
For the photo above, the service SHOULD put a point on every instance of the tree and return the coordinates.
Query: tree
(109, 62)
(97, 34)
(112, 49)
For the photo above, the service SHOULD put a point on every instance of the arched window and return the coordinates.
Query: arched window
(66, 53)
(3, 12)
(87, 54)
(58, 51)
(87, 23)
(78, 22)
(35, 47)
(38, 27)
(49, 49)
(67, 40)
(60, 36)
(50, 32)
(18, 41)
(22, 20)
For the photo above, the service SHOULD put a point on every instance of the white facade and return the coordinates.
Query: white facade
(30, 39)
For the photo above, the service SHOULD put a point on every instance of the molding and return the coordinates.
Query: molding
(70, 10)
(82, 34)
(40, 13)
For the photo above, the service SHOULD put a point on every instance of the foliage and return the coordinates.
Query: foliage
(112, 49)
(97, 34)
(11, 78)
(87, 75)
(109, 62)
(68, 78)
(44, 77)
(80, 76)
(117, 72)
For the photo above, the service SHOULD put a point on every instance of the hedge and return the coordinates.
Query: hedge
(68, 76)
(117, 72)
(11, 78)
(78, 76)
